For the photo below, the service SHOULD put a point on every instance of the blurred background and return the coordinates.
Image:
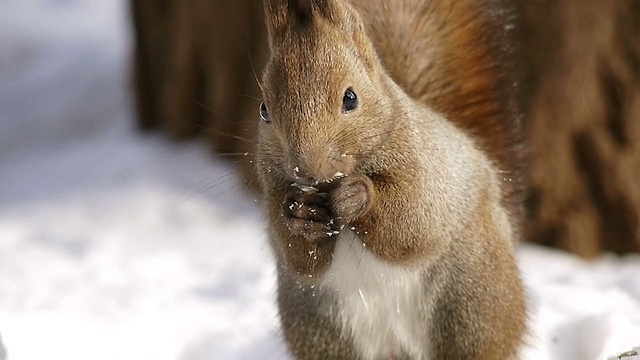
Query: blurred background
(129, 225)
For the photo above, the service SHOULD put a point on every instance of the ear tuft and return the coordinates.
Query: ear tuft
(302, 9)
(285, 15)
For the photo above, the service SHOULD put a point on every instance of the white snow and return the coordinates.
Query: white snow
(118, 245)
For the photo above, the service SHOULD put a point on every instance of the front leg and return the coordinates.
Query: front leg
(388, 214)
(300, 230)
(350, 198)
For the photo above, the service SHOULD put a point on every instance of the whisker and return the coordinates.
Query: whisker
(218, 176)
(253, 69)
(251, 97)
(237, 137)
(217, 182)
(234, 154)
(204, 107)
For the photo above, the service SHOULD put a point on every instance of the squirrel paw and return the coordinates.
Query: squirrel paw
(308, 215)
(350, 198)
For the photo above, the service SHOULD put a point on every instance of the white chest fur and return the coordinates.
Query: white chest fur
(379, 304)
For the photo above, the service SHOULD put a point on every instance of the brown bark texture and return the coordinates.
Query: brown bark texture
(583, 108)
(196, 70)
(197, 65)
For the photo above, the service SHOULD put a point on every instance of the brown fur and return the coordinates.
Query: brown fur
(417, 170)
(460, 63)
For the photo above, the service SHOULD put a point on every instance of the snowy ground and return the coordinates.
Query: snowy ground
(115, 245)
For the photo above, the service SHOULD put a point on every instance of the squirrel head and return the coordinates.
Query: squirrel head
(326, 106)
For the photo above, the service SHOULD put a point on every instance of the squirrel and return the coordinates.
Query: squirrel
(389, 156)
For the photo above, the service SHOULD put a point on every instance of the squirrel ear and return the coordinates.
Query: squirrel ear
(302, 9)
(284, 15)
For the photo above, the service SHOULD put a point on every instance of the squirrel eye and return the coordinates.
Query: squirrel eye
(349, 101)
(264, 114)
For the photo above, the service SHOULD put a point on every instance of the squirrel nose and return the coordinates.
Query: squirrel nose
(317, 165)
(300, 174)
(303, 176)
(319, 172)
(309, 172)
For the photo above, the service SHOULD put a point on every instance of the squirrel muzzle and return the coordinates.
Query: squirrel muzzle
(311, 165)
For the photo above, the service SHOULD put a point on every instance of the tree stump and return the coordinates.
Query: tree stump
(583, 108)
(196, 69)
(197, 65)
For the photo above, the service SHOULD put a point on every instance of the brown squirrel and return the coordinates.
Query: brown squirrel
(389, 158)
